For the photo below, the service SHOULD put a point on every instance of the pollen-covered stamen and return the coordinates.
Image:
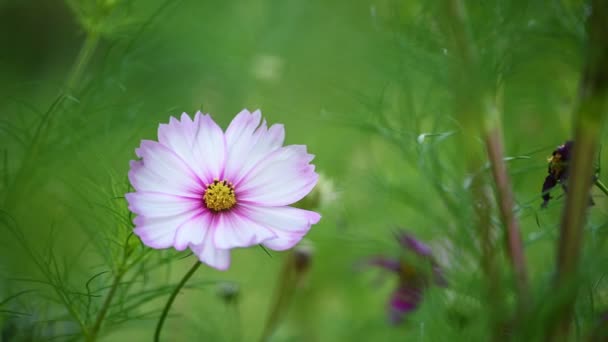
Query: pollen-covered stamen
(219, 196)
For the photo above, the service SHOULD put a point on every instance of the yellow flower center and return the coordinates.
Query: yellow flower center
(219, 196)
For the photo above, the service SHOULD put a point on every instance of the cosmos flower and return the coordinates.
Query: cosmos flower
(416, 269)
(210, 191)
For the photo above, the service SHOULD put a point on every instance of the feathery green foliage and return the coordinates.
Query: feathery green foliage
(395, 98)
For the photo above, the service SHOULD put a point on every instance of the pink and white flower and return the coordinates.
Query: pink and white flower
(208, 190)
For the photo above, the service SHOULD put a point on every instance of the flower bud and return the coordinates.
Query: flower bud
(228, 292)
(302, 255)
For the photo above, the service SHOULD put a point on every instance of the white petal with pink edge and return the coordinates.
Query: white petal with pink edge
(248, 143)
(235, 229)
(155, 204)
(200, 142)
(282, 178)
(162, 171)
(288, 223)
(193, 231)
(159, 232)
(209, 254)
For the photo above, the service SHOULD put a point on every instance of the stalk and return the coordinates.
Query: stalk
(504, 197)
(92, 336)
(601, 186)
(589, 117)
(467, 88)
(122, 269)
(82, 61)
(478, 118)
(163, 316)
(283, 294)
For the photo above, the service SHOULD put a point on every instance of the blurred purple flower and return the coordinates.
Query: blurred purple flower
(412, 269)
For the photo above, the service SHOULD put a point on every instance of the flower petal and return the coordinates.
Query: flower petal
(192, 231)
(409, 242)
(159, 232)
(282, 178)
(235, 229)
(162, 171)
(154, 204)
(389, 264)
(242, 127)
(248, 142)
(199, 142)
(209, 254)
(289, 224)
(403, 301)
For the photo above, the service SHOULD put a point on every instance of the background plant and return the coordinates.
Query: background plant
(375, 88)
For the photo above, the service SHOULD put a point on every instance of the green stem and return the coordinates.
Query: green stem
(601, 186)
(92, 336)
(122, 269)
(84, 57)
(71, 310)
(283, 294)
(163, 316)
(589, 116)
(470, 89)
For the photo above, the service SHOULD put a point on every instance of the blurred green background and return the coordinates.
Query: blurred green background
(360, 82)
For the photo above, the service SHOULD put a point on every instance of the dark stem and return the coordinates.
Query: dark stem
(163, 316)
(469, 92)
(505, 200)
(588, 120)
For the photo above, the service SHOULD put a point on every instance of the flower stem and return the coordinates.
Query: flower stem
(120, 272)
(163, 316)
(589, 116)
(601, 186)
(92, 336)
(505, 200)
(84, 57)
(470, 88)
(283, 294)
